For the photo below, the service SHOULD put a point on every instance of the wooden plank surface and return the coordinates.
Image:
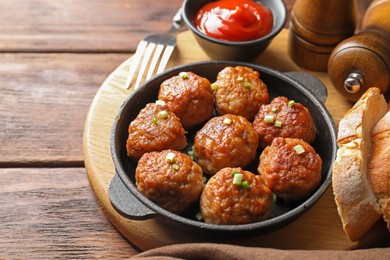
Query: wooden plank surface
(81, 26)
(44, 99)
(53, 213)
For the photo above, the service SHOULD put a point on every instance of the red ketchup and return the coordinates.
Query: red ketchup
(234, 20)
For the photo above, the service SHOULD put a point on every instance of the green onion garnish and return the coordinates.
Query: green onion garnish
(247, 84)
(214, 86)
(274, 109)
(163, 114)
(154, 121)
(237, 179)
(234, 172)
(199, 216)
(269, 119)
(274, 198)
(170, 157)
(175, 167)
(245, 184)
(278, 124)
(299, 149)
(183, 75)
(227, 121)
(192, 153)
(291, 103)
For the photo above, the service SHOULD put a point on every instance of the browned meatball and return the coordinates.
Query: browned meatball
(291, 168)
(224, 202)
(170, 179)
(225, 141)
(284, 118)
(239, 91)
(189, 96)
(156, 128)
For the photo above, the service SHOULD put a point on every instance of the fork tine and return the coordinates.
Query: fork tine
(156, 56)
(135, 62)
(167, 53)
(145, 62)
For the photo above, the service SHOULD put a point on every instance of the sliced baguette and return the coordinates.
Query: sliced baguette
(356, 203)
(380, 165)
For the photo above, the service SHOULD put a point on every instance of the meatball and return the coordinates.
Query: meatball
(169, 178)
(284, 118)
(291, 168)
(225, 141)
(239, 91)
(156, 128)
(189, 96)
(225, 202)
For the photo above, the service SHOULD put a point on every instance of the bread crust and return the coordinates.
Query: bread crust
(379, 165)
(356, 203)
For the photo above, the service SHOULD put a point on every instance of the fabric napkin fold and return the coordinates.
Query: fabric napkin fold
(223, 251)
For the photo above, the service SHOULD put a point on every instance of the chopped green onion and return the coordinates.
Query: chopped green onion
(160, 102)
(175, 167)
(204, 180)
(269, 119)
(163, 114)
(183, 75)
(274, 198)
(291, 103)
(199, 216)
(192, 153)
(299, 149)
(214, 86)
(245, 184)
(227, 121)
(234, 172)
(154, 121)
(170, 157)
(240, 78)
(274, 109)
(237, 179)
(247, 84)
(278, 124)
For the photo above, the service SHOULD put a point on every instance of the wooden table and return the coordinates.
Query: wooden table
(54, 56)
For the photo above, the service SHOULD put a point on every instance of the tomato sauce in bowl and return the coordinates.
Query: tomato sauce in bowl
(234, 20)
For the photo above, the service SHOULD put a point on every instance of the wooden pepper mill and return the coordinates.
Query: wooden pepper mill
(363, 61)
(316, 27)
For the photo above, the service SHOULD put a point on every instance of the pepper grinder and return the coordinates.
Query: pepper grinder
(363, 61)
(316, 27)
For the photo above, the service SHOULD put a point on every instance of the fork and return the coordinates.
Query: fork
(154, 44)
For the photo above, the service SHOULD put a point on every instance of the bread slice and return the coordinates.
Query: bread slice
(380, 165)
(356, 203)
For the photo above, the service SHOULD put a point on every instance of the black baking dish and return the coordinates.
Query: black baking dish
(301, 87)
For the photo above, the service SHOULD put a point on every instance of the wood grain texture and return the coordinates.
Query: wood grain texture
(44, 100)
(323, 218)
(52, 213)
(81, 26)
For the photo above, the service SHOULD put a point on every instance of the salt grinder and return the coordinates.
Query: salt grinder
(316, 27)
(363, 61)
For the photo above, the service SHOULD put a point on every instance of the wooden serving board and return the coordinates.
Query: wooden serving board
(319, 228)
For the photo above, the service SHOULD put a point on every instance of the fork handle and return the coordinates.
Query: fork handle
(177, 21)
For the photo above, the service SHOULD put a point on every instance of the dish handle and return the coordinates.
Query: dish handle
(311, 83)
(125, 203)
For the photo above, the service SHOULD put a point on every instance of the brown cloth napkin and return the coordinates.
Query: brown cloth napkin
(223, 251)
